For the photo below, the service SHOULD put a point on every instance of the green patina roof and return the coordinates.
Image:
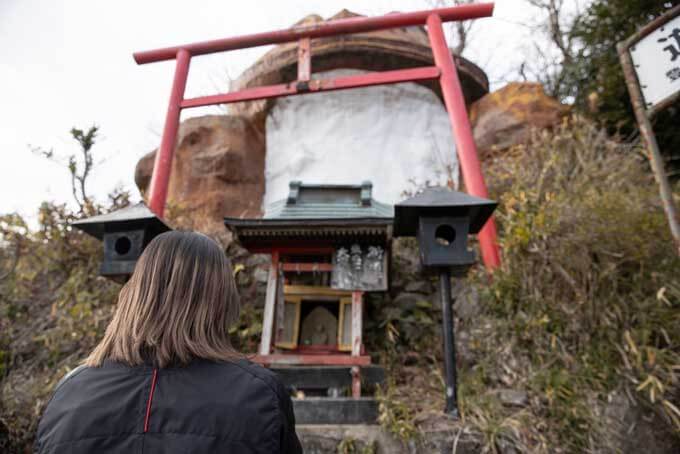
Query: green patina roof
(282, 210)
(327, 201)
(320, 209)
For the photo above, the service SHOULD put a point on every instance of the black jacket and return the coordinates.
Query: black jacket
(205, 407)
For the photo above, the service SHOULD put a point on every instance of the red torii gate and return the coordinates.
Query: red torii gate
(444, 70)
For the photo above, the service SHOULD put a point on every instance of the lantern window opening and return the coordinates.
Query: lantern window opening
(445, 235)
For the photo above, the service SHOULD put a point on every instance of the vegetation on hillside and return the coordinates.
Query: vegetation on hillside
(583, 315)
(53, 305)
(53, 309)
(580, 329)
(578, 63)
(589, 292)
(594, 76)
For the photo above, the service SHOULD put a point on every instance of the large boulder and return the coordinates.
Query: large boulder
(217, 171)
(506, 117)
(383, 50)
(219, 163)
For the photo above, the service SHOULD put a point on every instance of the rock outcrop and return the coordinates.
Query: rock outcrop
(506, 117)
(218, 170)
(219, 164)
(383, 50)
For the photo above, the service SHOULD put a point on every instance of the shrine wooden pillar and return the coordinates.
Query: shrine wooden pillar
(270, 306)
(357, 340)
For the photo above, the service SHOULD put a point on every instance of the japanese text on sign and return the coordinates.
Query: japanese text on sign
(657, 62)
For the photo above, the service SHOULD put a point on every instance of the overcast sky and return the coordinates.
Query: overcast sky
(69, 63)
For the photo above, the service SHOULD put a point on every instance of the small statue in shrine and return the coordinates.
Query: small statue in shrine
(342, 274)
(373, 267)
(320, 336)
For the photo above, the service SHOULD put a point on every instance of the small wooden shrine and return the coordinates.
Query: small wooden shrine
(329, 245)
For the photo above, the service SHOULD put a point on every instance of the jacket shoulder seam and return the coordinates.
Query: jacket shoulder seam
(60, 384)
(263, 380)
(65, 379)
(72, 374)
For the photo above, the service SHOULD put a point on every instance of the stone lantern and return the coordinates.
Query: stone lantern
(442, 219)
(125, 233)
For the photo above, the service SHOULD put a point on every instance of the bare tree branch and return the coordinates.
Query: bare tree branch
(459, 31)
(561, 48)
(79, 173)
(13, 261)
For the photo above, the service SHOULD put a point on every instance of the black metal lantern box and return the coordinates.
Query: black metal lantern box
(442, 219)
(125, 233)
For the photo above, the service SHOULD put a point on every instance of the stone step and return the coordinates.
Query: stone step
(335, 410)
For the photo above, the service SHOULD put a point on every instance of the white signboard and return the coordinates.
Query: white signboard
(657, 62)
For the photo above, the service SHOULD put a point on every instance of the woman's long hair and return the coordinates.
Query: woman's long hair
(178, 305)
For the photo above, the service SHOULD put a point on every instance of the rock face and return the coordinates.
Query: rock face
(219, 164)
(218, 170)
(507, 116)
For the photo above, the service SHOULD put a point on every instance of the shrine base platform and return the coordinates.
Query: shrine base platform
(362, 438)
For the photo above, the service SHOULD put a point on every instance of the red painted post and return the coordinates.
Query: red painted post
(462, 134)
(316, 85)
(163, 164)
(356, 382)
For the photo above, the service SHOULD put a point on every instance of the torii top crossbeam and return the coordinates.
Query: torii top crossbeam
(444, 70)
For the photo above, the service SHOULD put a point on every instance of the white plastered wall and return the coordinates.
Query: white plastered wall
(397, 136)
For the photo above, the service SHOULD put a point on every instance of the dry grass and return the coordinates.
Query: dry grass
(584, 311)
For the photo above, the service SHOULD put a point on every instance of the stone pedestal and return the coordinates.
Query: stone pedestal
(373, 439)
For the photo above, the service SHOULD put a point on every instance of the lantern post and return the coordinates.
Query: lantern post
(442, 219)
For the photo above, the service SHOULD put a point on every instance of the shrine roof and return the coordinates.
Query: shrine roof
(329, 202)
(318, 212)
(128, 218)
(323, 204)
